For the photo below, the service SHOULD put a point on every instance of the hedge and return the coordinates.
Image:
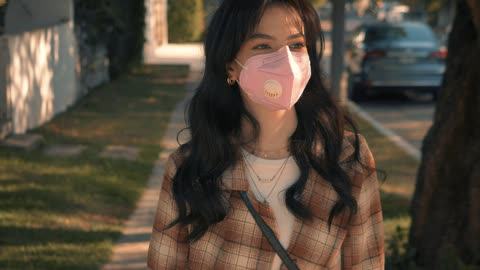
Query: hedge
(118, 24)
(185, 20)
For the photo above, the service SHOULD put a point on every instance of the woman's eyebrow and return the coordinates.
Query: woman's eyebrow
(261, 36)
(298, 35)
(265, 36)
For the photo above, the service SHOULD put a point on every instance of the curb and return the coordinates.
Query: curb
(392, 136)
(131, 249)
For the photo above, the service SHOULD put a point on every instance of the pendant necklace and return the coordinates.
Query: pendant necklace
(265, 180)
(279, 174)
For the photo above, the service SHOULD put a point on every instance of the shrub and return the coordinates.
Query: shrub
(185, 20)
(117, 24)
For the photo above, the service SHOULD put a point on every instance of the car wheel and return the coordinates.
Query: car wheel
(356, 92)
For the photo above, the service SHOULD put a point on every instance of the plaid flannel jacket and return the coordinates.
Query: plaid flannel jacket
(237, 242)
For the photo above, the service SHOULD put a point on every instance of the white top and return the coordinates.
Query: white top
(266, 168)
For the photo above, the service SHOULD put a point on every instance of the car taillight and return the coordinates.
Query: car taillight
(375, 54)
(442, 54)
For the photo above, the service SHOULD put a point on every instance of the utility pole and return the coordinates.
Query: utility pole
(338, 33)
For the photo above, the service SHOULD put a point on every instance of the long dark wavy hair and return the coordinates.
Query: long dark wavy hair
(216, 110)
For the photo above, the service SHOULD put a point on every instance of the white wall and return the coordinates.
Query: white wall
(156, 27)
(5, 125)
(27, 15)
(41, 75)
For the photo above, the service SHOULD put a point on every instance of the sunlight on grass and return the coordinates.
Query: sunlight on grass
(391, 224)
(40, 219)
(65, 213)
(51, 255)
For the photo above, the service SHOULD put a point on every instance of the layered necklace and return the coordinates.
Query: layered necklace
(265, 180)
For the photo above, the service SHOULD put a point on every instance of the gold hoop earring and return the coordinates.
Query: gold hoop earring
(230, 81)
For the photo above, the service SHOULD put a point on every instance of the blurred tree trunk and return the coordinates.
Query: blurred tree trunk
(446, 204)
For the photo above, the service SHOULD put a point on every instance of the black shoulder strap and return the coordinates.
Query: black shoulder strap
(269, 234)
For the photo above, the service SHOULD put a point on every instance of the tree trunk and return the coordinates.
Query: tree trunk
(446, 204)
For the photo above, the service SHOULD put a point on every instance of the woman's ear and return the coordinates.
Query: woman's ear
(232, 71)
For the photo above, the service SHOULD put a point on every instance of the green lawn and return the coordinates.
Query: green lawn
(397, 190)
(65, 213)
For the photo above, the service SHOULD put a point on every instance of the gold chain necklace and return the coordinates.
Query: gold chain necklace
(266, 154)
(265, 180)
(276, 181)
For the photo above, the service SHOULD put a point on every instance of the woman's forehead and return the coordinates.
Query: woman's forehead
(278, 19)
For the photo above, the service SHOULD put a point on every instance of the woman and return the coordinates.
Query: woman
(265, 131)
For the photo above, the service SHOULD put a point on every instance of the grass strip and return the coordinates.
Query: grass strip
(66, 213)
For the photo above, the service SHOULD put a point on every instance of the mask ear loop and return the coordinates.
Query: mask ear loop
(244, 67)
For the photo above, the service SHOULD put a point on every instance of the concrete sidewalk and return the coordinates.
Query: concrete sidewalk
(130, 252)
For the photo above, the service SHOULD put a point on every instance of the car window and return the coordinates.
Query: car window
(399, 33)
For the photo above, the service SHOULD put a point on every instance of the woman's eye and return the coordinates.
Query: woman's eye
(297, 46)
(261, 47)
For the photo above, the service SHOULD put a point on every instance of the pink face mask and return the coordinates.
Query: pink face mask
(275, 80)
